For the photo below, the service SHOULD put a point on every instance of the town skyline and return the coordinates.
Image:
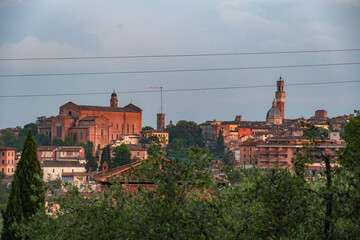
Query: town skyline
(50, 29)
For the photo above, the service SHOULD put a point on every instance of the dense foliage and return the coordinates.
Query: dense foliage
(11, 140)
(187, 202)
(27, 194)
(122, 156)
(182, 136)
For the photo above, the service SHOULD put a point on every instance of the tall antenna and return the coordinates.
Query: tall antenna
(160, 97)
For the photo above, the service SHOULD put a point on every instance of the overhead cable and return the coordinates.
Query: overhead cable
(179, 55)
(177, 70)
(176, 90)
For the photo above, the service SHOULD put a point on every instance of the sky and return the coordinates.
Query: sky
(50, 28)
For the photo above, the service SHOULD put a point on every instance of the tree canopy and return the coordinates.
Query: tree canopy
(122, 156)
(185, 201)
(27, 194)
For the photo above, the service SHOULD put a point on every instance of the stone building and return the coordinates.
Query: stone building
(276, 114)
(7, 160)
(98, 124)
(273, 116)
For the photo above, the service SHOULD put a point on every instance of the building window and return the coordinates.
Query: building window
(12, 170)
(133, 128)
(117, 126)
(70, 113)
(127, 128)
(3, 153)
(62, 170)
(8, 161)
(53, 170)
(81, 135)
(8, 169)
(2, 170)
(3, 162)
(102, 133)
(138, 153)
(117, 136)
(112, 136)
(12, 161)
(9, 154)
(58, 130)
(12, 154)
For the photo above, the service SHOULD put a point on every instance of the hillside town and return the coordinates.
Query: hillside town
(264, 144)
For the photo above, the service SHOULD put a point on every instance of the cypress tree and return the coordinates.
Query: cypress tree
(27, 194)
(105, 157)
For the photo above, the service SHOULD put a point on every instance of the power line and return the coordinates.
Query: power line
(177, 90)
(177, 70)
(179, 55)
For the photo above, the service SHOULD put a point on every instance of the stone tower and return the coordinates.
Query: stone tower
(160, 123)
(113, 100)
(280, 96)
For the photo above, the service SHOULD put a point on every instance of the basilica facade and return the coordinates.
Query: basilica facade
(98, 124)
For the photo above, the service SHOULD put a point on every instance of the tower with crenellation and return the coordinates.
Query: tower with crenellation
(280, 96)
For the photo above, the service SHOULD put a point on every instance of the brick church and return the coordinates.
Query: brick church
(98, 124)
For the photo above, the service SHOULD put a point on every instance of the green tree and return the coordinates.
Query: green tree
(29, 127)
(122, 156)
(40, 119)
(69, 141)
(347, 183)
(220, 147)
(27, 194)
(190, 132)
(105, 157)
(43, 139)
(91, 163)
(147, 128)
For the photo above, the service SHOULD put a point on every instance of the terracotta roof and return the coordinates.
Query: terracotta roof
(70, 148)
(89, 118)
(71, 174)
(133, 107)
(251, 143)
(106, 175)
(47, 148)
(54, 163)
(110, 109)
(7, 179)
(135, 148)
(6, 148)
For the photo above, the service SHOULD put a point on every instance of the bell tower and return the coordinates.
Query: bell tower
(113, 100)
(280, 96)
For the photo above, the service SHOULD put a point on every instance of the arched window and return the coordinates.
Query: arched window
(70, 113)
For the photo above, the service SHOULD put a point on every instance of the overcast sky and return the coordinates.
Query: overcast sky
(120, 28)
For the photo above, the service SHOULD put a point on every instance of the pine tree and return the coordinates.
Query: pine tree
(27, 194)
